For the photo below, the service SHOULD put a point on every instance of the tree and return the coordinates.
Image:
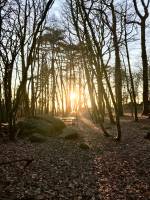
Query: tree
(14, 41)
(142, 24)
(86, 32)
(133, 95)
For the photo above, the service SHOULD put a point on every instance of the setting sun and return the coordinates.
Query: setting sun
(73, 96)
(73, 101)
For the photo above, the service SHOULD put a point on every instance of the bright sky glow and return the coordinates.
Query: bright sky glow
(73, 96)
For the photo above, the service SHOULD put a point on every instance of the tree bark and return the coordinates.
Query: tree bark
(146, 109)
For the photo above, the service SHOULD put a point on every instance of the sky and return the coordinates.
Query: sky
(56, 8)
(134, 47)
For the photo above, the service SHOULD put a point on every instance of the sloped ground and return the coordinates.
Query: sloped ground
(62, 170)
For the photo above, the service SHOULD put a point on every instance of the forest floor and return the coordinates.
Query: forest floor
(62, 170)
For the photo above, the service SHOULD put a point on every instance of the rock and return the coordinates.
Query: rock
(46, 126)
(36, 137)
(147, 136)
(70, 133)
(57, 123)
(72, 136)
(146, 128)
(84, 146)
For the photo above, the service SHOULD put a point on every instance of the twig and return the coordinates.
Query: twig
(28, 161)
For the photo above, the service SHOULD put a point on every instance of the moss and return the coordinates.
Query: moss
(147, 136)
(46, 126)
(145, 128)
(84, 146)
(36, 137)
(70, 133)
(57, 123)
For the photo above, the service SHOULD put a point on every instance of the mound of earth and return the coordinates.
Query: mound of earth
(46, 126)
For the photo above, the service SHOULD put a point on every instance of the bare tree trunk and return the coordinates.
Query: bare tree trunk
(131, 77)
(142, 23)
(146, 109)
(0, 106)
(118, 75)
(32, 93)
(8, 100)
(53, 85)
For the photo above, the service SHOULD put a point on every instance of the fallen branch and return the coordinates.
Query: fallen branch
(28, 161)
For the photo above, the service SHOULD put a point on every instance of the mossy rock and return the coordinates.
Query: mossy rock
(147, 136)
(84, 146)
(146, 128)
(57, 123)
(46, 126)
(37, 138)
(25, 132)
(70, 133)
(30, 126)
(72, 136)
